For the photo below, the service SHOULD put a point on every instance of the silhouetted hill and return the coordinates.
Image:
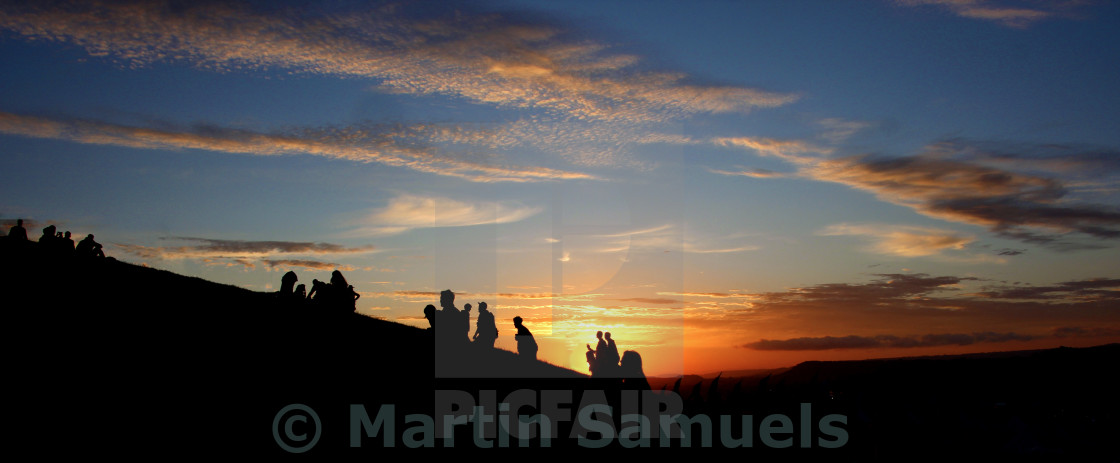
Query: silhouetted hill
(134, 344)
(102, 352)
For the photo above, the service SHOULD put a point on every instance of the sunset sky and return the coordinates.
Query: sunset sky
(722, 185)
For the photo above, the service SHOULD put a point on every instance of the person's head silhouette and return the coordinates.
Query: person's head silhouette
(517, 321)
(608, 335)
(599, 335)
(446, 298)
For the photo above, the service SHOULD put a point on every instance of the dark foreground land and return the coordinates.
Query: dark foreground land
(106, 357)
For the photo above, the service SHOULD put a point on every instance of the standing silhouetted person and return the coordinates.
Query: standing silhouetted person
(17, 232)
(288, 284)
(591, 362)
(608, 360)
(67, 244)
(526, 345)
(466, 321)
(486, 330)
(450, 322)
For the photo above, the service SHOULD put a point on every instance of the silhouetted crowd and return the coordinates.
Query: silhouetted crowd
(337, 295)
(455, 327)
(52, 243)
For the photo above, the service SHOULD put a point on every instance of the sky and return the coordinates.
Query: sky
(721, 185)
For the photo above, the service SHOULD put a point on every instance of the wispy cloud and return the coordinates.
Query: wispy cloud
(247, 254)
(1017, 14)
(397, 146)
(789, 150)
(968, 182)
(450, 50)
(903, 240)
(406, 212)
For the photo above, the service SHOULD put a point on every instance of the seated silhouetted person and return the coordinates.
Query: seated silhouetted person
(88, 248)
(17, 232)
(288, 284)
(486, 330)
(526, 345)
(633, 376)
(318, 291)
(46, 240)
(342, 296)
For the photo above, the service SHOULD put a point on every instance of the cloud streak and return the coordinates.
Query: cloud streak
(485, 58)
(1018, 15)
(406, 212)
(901, 240)
(1015, 195)
(396, 146)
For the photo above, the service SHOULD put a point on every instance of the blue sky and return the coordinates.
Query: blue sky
(722, 184)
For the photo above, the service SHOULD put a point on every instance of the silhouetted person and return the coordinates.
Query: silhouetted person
(318, 290)
(67, 244)
(288, 284)
(17, 232)
(608, 360)
(591, 362)
(600, 352)
(466, 321)
(88, 248)
(47, 239)
(343, 294)
(485, 330)
(430, 314)
(526, 345)
(301, 292)
(448, 334)
(633, 376)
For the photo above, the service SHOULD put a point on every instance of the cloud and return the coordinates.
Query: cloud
(1015, 194)
(247, 254)
(406, 212)
(307, 264)
(997, 12)
(751, 172)
(838, 130)
(442, 49)
(397, 146)
(884, 341)
(789, 150)
(1083, 290)
(902, 240)
(896, 304)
